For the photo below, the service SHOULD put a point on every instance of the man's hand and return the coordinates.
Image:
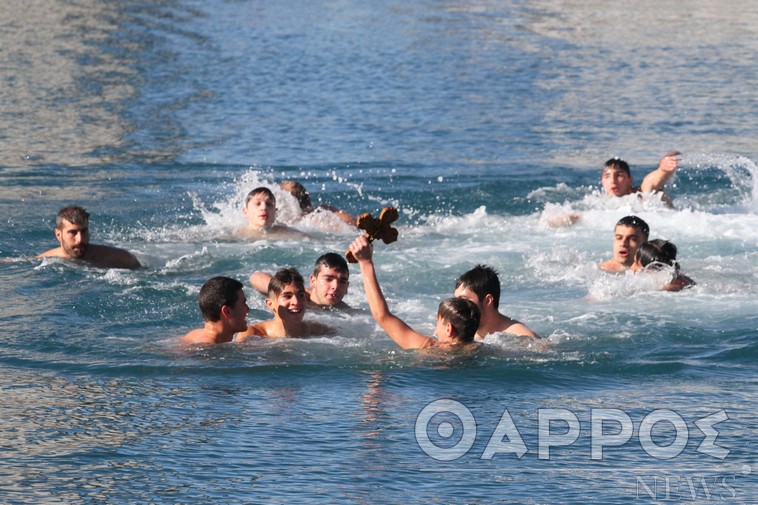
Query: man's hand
(361, 249)
(669, 162)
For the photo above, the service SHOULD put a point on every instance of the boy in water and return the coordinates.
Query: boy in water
(481, 286)
(457, 318)
(616, 178)
(286, 298)
(629, 234)
(224, 308)
(260, 211)
(329, 282)
(72, 232)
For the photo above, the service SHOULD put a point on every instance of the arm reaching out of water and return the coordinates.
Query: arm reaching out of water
(259, 281)
(395, 327)
(656, 180)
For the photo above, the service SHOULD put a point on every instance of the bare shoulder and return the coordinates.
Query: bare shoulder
(196, 336)
(254, 330)
(56, 252)
(283, 232)
(612, 266)
(520, 329)
(111, 257)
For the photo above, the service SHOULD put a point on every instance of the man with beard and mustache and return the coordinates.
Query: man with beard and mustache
(72, 232)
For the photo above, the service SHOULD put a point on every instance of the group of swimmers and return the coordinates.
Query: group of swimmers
(470, 315)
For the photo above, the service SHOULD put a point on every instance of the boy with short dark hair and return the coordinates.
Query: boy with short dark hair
(287, 300)
(630, 232)
(260, 212)
(481, 286)
(224, 308)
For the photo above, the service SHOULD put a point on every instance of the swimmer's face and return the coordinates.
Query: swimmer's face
(626, 241)
(469, 295)
(238, 313)
(74, 239)
(260, 211)
(289, 305)
(329, 286)
(616, 182)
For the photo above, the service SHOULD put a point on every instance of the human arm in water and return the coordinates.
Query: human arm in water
(656, 180)
(395, 327)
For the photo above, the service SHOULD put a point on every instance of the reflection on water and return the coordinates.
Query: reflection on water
(641, 79)
(78, 80)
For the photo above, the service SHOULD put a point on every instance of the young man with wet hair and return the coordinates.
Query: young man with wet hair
(617, 181)
(260, 212)
(457, 318)
(481, 286)
(630, 232)
(224, 308)
(329, 282)
(616, 177)
(287, 300)
(72, 232)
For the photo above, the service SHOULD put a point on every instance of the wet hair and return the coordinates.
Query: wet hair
(300, 193)
(216, 293)
(635, 222)
(282, 278)
(73, 214)
(618, 164)
(463, 315)
(331, 260)
(656, 254)
(257, 191)
(482, 280)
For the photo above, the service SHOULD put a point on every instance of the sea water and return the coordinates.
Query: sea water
(480, 122)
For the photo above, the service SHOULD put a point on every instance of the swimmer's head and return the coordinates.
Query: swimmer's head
(72, 231)
(655, 255)
(617, 164)
(463, 315)
(216, 293)
(283, 278)
(635, 222)
(616, 178)
(300, 193)
(330, 279)
(481, 280)
(331, 260)
(287, 295)
(260, 208)
(73, 214)
(261, 190)
(630, 232)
